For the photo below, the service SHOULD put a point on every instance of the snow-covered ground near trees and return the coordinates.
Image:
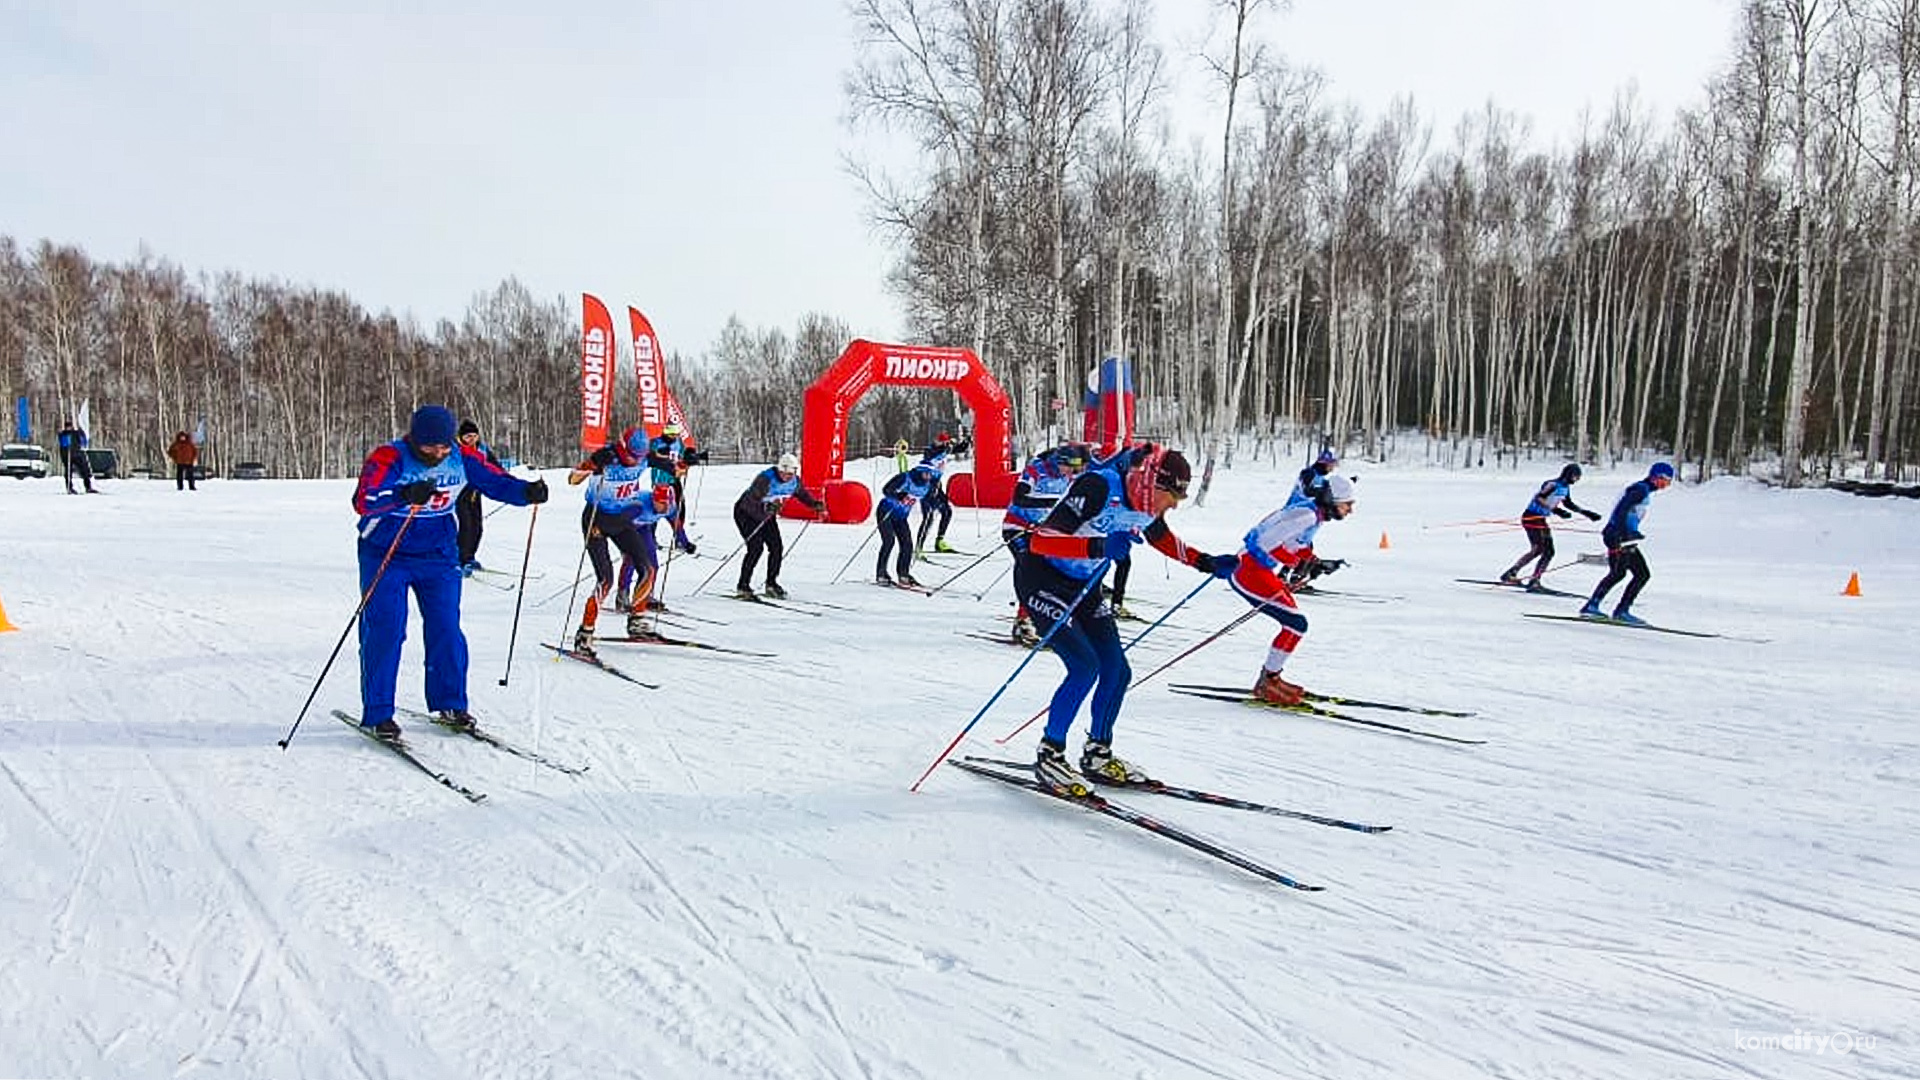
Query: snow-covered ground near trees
(1673, 856)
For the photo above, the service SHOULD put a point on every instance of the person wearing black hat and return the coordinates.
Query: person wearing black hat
(409, 541)
(1104, 513)
(1554, 497)
(467, 509)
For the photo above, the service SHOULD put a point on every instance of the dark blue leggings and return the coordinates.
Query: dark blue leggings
(1087, 642)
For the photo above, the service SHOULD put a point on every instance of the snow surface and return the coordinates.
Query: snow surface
(1674, 857)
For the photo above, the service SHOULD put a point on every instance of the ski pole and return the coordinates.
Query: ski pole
(586, 538)
(1066, 617)
(519, 595)
(738, 548)
(1004, 739)
(365, 598)
(963, 571)
(856, 552)
(982, 594)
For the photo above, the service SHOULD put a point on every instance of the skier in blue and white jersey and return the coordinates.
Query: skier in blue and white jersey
(405, 499)
(619, 484)
(936, 502)
(897, 497)
(672, 453)
(1312, 480)
(1554, 497)
(1041, 483)
(1622, 536)
(1095, 524)
(756, 513)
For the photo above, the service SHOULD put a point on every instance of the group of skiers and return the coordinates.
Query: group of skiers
(1072, 518)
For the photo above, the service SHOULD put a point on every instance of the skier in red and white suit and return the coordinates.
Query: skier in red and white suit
(1283, 542)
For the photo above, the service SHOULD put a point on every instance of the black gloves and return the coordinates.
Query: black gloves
(418, 493)
(1325, 566)
(603, 457)
(697, 457)
(1592, 515)
(1562, 511)
(1220, 566)
(537, 492)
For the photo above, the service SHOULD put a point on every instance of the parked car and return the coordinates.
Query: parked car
(24, 461)
(250, 470)
(105, 462)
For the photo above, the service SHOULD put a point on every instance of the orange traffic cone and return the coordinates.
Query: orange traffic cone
(1852, 589)
(1383, 542)
(4, 624)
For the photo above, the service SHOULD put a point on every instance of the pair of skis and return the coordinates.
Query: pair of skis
(404, 750)
(1521, 586)
(1601, 620)
(1317, 705)
(1018, 774)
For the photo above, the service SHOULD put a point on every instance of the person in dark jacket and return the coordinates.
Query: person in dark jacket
(1622, 536)
(184, 456)
(467, 510)
(73, 456)
(756, 513)
(409, 541)
(897, 497)
(1554, 497)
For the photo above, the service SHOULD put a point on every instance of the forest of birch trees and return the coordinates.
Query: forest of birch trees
(1736, 286)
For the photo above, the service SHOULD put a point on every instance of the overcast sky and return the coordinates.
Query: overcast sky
(683, 156)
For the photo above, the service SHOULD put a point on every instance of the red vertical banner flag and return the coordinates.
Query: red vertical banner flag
(657, 405)
(596, 372)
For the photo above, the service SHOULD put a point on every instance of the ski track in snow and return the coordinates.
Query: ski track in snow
(1663, 843)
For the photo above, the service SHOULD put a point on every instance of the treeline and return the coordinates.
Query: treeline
(306, 381)
(1739, 288)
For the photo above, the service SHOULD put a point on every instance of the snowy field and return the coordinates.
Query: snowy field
(1673, 856)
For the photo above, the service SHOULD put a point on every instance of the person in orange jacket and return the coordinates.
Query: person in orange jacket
(184, 456)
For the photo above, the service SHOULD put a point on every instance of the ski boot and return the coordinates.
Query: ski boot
(583, 641)
(1098, 764)
(386, 731)
(1622, 615)
(940, 544)
(744, 592)
(1275, 690)
(457, 719)
(1591, 610)
(774, 591)
(1050, 768)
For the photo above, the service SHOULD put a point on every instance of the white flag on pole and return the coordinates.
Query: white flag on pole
(82, 421)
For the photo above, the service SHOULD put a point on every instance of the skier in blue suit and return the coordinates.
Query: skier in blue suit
(1622, 536)
(405, 499)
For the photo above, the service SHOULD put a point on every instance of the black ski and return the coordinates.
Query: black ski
(1334, 594)
(405, 753)
(595, 661)
(997, 639)
(496, 742)
(1102, 805)
(1541, 590)
(1241, 697)
(756, 598)
(1333, 699)
(1155, 787)
(818, 603)
(684, 643)
(1602, 621)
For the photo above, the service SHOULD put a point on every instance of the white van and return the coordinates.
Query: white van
(24, 461)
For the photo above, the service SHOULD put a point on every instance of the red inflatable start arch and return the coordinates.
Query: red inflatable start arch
(865, 365)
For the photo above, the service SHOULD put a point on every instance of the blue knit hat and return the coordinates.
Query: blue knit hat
(432, 425)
